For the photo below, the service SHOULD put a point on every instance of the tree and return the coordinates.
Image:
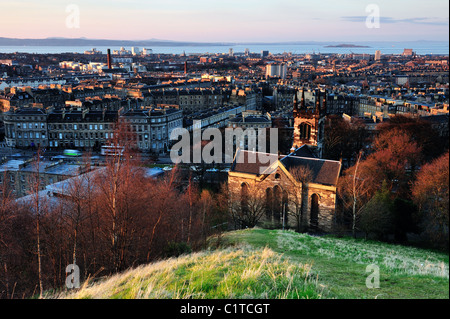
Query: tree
(7, 214)
(431, 194)
(420, 131)
(247, 206)
(78, 190)
(38, 207)
(377, 215)
(395, 161)
(303, 175)
(116, 183)
(343, 139)
(355, 189)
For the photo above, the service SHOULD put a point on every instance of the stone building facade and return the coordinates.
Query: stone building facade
(303, 201)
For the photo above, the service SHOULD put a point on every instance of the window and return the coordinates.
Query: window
(305, 131)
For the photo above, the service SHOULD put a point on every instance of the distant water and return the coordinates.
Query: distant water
(420, 47)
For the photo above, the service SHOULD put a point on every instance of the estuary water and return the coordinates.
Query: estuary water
(420, 47)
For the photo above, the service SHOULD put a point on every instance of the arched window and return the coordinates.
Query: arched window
(268, 203)
(314, 217)
(277, 201)
(284, 206)
(305, 131)
(244, 197)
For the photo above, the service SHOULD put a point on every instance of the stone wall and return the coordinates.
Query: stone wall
(296, 199)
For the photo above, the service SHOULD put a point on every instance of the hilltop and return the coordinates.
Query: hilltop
(275, 264)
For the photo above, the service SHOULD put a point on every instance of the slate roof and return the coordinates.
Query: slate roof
(304, 151)
(324, 172)
(251, 162)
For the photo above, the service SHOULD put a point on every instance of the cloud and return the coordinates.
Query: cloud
(418, 20)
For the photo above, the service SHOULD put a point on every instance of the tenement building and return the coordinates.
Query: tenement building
(153, 127)
(75, 128)
(26, 127)
(85, 128)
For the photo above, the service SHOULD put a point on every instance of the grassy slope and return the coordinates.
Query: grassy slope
(230, 273)
(405, 272)
(275, 264)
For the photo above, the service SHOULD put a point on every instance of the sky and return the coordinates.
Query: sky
(227, 20)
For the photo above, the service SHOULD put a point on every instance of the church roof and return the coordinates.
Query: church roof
(324, 172)
(252, 162)
(304, 151)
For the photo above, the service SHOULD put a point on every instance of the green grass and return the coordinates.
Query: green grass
(275, 264)
(405, 272)
(231, 273)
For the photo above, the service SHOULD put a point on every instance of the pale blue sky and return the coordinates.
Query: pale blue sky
(227, 20)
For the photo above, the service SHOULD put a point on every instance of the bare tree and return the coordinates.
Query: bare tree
(78, 192)
(7, 214)
(113, 183)
(355, 189)
(303, 176)
(248, 206)
(38, 206)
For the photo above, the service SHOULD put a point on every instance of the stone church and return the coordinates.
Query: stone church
(295, 191)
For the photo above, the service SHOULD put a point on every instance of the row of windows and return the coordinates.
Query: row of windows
(30, 125)
(29, 135)
(79, 126)
(91, 135)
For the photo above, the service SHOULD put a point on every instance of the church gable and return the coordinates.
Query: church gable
(287, 199)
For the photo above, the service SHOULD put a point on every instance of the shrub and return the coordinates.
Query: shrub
(175, 249)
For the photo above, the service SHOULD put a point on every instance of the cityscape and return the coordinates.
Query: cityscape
(225, 168)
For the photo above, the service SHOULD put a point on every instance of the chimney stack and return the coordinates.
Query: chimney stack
(109, 58)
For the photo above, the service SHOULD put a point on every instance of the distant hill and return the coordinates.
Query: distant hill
(60, 41)
(347, 46)
(55, 41)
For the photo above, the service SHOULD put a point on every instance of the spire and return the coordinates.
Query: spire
(296, 102)
(324, 104)
(318, 101)
(302, 101)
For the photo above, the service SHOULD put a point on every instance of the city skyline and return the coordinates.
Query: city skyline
(233, 21)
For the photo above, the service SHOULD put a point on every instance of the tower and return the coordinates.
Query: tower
(309, 123)
(108, 58)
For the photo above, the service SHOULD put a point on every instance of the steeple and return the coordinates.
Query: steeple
(323, 110)
(302, 101)
(296, 102)
(317, 110)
